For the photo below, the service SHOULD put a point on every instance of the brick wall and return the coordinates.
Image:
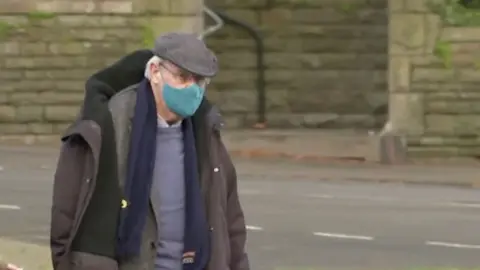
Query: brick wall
(49, 48)
(434, 79)
(325, 62)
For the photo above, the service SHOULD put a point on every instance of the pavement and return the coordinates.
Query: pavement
(300, 215)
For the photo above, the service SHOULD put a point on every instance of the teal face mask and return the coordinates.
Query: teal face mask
(183, 101)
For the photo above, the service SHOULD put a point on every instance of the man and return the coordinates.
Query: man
(143, 180)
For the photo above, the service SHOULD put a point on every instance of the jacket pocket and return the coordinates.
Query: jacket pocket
(88, 261)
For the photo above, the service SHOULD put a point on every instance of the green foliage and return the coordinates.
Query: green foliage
(443, 50)
(5, 29)
(40, 15)
(349, 8)
(148, 36)
(454, 13)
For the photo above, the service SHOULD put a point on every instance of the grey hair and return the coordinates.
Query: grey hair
(154, 60)
(157, 60)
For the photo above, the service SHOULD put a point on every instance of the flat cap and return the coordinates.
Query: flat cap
(188, 52)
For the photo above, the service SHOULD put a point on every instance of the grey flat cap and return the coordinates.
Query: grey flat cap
(188, 52)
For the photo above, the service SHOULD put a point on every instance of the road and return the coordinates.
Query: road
(295, 219)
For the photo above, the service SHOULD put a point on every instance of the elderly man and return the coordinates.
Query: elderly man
(143, 180)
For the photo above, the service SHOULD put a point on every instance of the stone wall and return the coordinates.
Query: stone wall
(325, 62)
(434, 78)
(48, 48)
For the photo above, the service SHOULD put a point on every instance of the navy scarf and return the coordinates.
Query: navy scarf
(139, 181)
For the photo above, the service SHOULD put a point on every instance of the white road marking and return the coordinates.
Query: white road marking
(465, 205)
(41, 237)
(393, 199)
(451, 245)
(321, 196)
(254, 228)
(344, 236)
(9, 207)
(253, 192)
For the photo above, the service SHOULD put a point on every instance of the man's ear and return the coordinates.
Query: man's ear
(153, 73)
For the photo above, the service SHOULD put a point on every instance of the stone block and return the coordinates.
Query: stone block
(304, 98)
(229, 79)
(418, 5)
(70, 86)
(15, 6)
(433, 26)
(276, 101)
(470, 48)
(399, 71)
(78, 20)
(369, 16)
(68, 48)
(450, 94)
(248, 16)
(9, 86)
(454, 89)
(276, 16)
(429, 60)
(453, 125)
(33, 49)
(406, 113)
(60, 127)
(7, 113)
(310, 16)
(25, 113)
(10, 75)
(115, 7)
(65, 6)
(35, 85)
(151, 6)
(186, 7)
(461, 34)
(395, 6)
(452, 107)
(9, 48)
(407, 34)
(330, 45)
(337, 61)
(230, 45)
(469, 75)
(60, 98)
(161, 25)
(20, 63)
(23, 98)
(352, 31)
(283, 60)
(12, 128)
(449, 141)
(40, 128)
(3, 99)
(307, 3)
(114, 21)
(237, 100)
(45, 62)
(61, 113)
(238, 60)
(238, 3)
(433, 75)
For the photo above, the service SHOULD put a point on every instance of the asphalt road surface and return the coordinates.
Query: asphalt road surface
(296, 221)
